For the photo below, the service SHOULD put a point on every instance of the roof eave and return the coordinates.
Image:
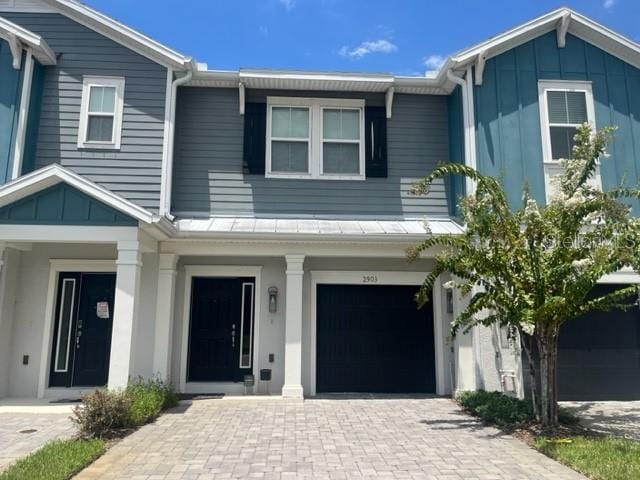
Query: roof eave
(122, 34)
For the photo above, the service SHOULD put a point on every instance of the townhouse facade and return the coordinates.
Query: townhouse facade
(245, 231)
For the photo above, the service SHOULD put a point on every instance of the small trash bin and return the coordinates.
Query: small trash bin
(249, 382)
(265, 377)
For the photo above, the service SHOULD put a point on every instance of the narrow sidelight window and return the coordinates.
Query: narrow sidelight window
(246, 325)
(65, 321)
(101, 112)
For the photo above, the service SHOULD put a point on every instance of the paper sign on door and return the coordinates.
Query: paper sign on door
(102, 310)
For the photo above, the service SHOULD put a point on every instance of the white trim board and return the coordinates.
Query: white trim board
(363, 277)
(217, 271)
(57, 266)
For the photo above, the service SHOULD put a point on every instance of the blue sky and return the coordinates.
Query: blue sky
(406, 37)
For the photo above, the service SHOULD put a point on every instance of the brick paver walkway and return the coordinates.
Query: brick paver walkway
(322, 439)
(22, 433)
(613, 418)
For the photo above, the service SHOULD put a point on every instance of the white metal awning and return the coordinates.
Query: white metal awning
(392, 230)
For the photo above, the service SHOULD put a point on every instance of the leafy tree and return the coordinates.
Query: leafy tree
(534, 268)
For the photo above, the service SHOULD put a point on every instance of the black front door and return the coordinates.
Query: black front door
(221, 333)
(82, 334)
(373, 339)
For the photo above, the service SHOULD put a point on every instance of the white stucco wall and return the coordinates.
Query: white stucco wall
(8, 287)
(144, 338)
(32, 284)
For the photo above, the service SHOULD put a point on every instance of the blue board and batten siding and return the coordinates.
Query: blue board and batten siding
(10, 88)
(209, 180)
(134, 171)
(62, 204)
(509, 143)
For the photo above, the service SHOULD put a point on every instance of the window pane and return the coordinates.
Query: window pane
(557, 102)
(577, 107)
(287, 157)
(64, 324)
(341, 124)
(102, 100)
(341, 158)
(567, 107)
(561, 142)
(100, 129)
(288, 122)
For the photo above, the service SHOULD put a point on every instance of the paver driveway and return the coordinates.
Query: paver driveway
(21, 432)
(331, 438)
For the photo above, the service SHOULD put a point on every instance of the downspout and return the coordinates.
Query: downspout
(466, 85)
(165, 207)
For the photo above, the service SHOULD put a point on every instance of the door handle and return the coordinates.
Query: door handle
(78, 335)
(233, 335)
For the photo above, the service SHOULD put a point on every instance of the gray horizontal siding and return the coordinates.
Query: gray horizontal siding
(208, 178)
(134, 171)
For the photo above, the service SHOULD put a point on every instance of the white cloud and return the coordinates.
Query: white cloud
(288, 4)
(365, 48)
(433, 62)
(608, 3)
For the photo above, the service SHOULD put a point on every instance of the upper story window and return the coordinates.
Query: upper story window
(315, 138)
(101, 112)
(563, 107)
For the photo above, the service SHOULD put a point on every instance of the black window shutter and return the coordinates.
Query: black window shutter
(255, 136)
(375, 125)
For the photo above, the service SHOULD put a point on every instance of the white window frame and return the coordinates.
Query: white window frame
(88, 82)
(316, 107)
(545, 86)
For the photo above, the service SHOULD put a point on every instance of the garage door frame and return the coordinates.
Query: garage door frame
(371, 278)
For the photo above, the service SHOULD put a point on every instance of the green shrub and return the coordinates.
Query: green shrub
(107, 414)
(498, 408)
(103, 414)
(148, 399)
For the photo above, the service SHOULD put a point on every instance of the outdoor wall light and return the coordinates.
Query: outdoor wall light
(273, 299)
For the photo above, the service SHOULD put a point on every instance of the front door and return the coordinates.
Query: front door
(221, 333)
(82, 335)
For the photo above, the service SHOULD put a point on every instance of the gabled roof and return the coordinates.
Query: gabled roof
(19, 38)
(562, 20)
(120, 33)
(53, 174)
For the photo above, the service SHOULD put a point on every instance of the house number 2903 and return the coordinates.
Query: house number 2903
(369, 279)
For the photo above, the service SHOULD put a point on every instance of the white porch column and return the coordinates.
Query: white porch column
(125, 313)
(293, 328)
(164, 315)
(465, 354)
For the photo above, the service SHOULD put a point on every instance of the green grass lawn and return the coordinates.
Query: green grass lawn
(606, 458)
(57, 460)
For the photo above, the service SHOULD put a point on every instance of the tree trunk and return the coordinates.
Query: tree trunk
(548, 351)
(527, 345)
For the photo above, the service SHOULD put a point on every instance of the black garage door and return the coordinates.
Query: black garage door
(599, 355)
(373, 339)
